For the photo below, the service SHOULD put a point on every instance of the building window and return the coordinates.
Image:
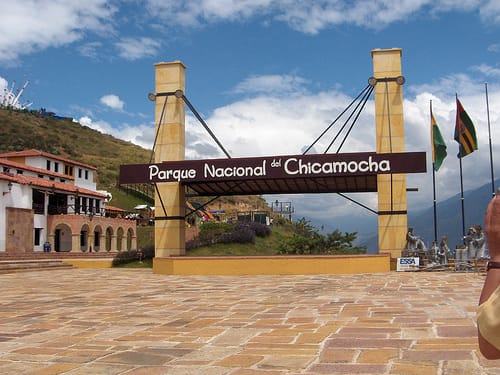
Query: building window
(68, 170)
(19, 171)
(38, 202)
(84, 204)
(56, 167)
(79, 172)
(86, 174)
(48, 165)
(38, 236)
(77, 204)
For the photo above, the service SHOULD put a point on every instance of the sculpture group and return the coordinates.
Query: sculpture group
(439, 254)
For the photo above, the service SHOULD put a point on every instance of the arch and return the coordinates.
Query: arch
(109, 239)
(97, 238)
(84, 237)
(62, 238)
(130, 236)
(119, 239)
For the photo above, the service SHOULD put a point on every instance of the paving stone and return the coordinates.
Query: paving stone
(135, 322)
(239, 361)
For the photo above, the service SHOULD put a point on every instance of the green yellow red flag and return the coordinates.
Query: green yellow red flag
(438, 144)
(465, 134)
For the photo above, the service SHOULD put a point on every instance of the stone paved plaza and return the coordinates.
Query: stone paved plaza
(122, 321)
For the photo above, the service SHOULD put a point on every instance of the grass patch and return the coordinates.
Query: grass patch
(146, 263)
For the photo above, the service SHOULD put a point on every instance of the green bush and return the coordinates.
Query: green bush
(148, 252)
(124, 257)
(307, 240)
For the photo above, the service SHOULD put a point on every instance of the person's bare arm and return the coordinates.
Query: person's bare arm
(492, 281)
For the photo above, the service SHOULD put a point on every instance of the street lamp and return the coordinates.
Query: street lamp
(9, 186)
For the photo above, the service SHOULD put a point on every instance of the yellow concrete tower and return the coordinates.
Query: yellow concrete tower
(390, 138)
(170, 146)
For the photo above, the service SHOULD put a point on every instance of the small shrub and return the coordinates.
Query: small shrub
(124, 257)
(260, 230)
(242, 234)
(148, 252)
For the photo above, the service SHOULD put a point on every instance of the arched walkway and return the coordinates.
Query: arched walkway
(79, 233)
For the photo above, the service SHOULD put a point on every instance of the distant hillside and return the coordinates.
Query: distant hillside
(22, 130)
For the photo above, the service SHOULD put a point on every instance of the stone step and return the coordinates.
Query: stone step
(9, 266)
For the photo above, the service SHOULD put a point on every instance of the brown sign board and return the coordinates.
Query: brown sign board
(316, 166)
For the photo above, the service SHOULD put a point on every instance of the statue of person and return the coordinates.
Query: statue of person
(411, 240)
(469, 242)
(443, 251)
(433, 254)
(479, 243)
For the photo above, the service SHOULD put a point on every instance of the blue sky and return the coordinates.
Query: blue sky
(268, 76)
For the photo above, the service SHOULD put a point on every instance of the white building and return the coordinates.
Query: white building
(47, 199)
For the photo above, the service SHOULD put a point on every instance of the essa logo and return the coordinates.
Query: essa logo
(407, 261)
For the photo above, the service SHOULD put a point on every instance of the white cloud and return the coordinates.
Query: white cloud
(271, 84)
(137, 48)
(142, 134)
(311, 17)
(192, 13)
(490, 11)
(495, 47)
(277, 125)
(32, 25)
(90, 49)
(113, 102)
(488, 71)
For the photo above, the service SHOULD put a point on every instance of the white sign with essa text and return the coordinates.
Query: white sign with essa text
(408, 264)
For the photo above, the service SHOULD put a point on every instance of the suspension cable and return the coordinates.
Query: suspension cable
(355, 119)
(334, 121)
(159, 125)
(361, 103)
(200, 119)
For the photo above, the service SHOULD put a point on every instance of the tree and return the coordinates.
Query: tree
(307, 240)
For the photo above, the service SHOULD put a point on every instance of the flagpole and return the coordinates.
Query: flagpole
(465, 135)
(462, 199)
(435, 206)
(433, 179)
(489, 134)
(461, 185)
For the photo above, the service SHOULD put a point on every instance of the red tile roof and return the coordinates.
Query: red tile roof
(33, 152)
(14, 164)
(113, 208)
(49, 185)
